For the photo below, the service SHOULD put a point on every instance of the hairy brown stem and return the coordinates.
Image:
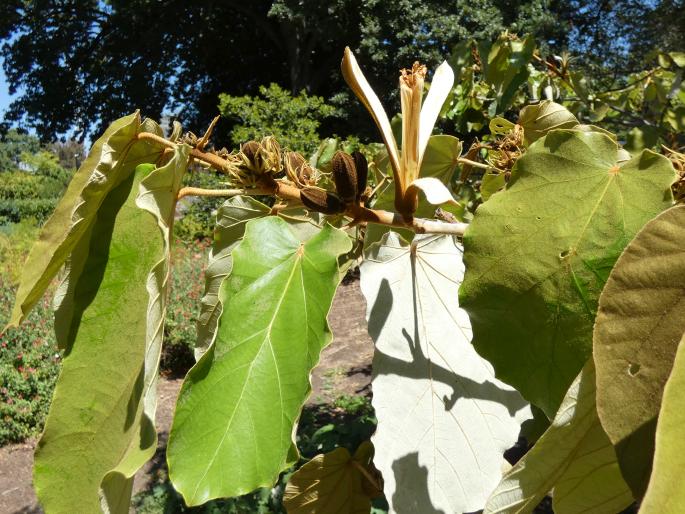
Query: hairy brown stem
(197, 191)
(211, 159)
(269, 186)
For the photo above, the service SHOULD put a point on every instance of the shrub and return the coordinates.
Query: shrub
(29, 365)
(187, 283)
(293, 120)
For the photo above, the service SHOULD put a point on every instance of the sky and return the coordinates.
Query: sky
(4, 94)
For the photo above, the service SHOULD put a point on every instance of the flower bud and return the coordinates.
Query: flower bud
(345, 176)
(362, 168)
(321, 201)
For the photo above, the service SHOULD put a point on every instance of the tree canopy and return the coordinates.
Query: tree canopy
(75, 62)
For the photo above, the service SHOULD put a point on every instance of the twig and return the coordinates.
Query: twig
(464, 160)
(211, 159)
(269, 186)
(197, 191)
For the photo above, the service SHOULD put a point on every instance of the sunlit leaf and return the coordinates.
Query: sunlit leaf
(111, 160)
(444, 421)
(666, 492)
(237, 410)
(537, 120)
(100, 429)
(231, 219)
(573, 458)
(333, 482)
(640, 321)
(538, 253)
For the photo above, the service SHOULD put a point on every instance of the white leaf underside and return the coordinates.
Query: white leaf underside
(444, 421)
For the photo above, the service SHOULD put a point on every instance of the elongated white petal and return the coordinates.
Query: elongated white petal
(443, 79)
(436, 192)
(355, 79)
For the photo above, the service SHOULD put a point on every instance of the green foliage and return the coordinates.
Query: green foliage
(665, 493)
(29, 364)
(538, 254)
(188, 261)
(31, 188)
(574, 458)
(637, 330)
(14, 144)
(293, 120)
(280, 294)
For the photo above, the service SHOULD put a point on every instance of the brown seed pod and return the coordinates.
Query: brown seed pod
(362, 168)
(321, 201)
(252, 153)
(345, 176)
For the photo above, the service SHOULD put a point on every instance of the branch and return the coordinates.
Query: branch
(269, 186)
(213, 160)
(197, 191)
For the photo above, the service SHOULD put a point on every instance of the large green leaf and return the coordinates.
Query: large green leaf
(444, 420)
(236, 414)
(666, 492)
(100, 429)
(640, 321)
(231, 219)
(333, 482)
(538, 253)
(574, 458)
(111, 160)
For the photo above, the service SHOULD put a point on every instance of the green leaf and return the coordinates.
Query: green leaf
(639, 324)
(491, 183)
(574, 458)
(665, 492)
(500, 126)
(111, 160)
(537, 120)
(100, 428)
(231, 219)
(538, 253)
(332, 482)
(444, 420)
(236, 414)
(505, 67)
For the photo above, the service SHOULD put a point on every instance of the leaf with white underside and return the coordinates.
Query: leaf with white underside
(639, 324)
(574, 458)
(436, 192)
(238, 407)
(439, 444)
(100, 429)
(231, 219)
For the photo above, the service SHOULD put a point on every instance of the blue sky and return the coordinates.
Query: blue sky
(4, 94)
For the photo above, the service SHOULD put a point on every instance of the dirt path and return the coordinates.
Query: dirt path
(344, 370)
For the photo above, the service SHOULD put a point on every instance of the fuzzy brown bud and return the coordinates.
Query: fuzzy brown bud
(362, 168)
(345, 176)
(321, 201)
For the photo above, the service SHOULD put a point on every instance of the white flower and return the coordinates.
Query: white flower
(417, 126)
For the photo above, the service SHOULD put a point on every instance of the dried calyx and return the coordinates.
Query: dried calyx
(298, 170)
